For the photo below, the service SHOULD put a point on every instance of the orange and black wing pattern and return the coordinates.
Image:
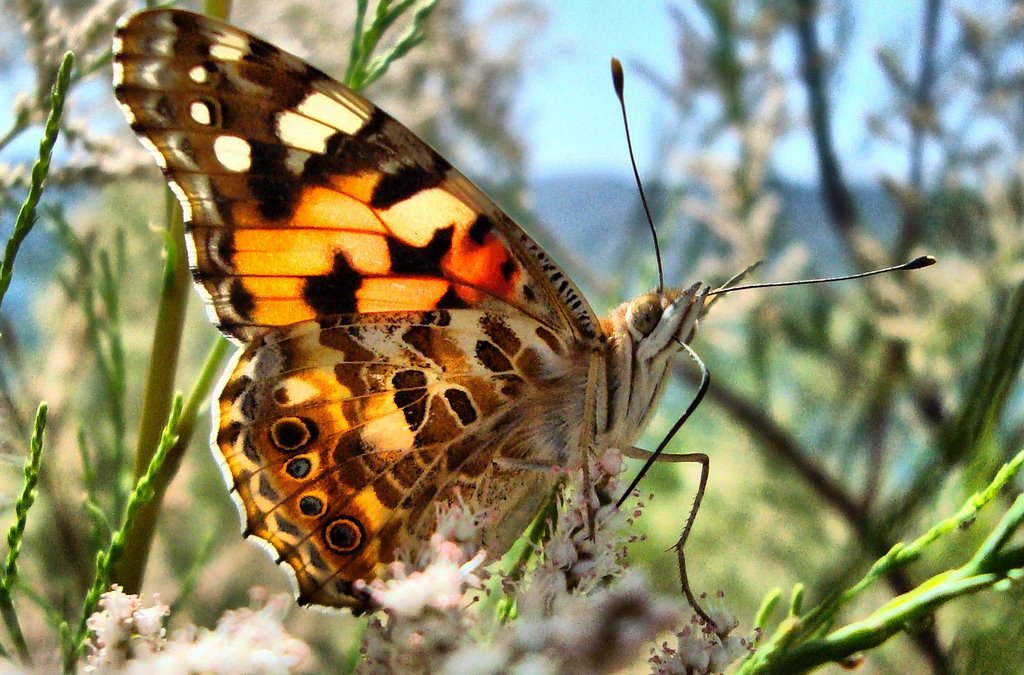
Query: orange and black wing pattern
(304, 200)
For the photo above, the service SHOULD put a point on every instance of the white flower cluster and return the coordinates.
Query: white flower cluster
(569, 609)
(123, 629)
(130, 639)
(702, 649)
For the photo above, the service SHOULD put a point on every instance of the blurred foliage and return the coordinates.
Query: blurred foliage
(841, 419)
(850, 416)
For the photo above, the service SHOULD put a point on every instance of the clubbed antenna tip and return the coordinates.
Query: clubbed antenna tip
(617, 77)
(918, 263)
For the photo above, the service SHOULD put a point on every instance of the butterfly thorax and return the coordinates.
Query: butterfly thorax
(644, 336)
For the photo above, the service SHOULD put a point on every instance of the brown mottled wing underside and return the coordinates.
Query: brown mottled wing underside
(401, 333)
(304, 200)
(340, 437)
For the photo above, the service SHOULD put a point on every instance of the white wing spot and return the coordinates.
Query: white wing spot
(420, 216)
(390, 431)
(296, 391)
(198, 74)
(333, 112)
(226, 53)
(200, 112)
(301, 132)
(118, 73)
(233, 153)
(230, 47)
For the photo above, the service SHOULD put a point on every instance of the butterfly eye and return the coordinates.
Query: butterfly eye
(644, 313)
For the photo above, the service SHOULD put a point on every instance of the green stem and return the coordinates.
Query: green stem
(27, 215)
(105, 560)
(159, 386)
(139, 544)
(789, 651)
(17, 533)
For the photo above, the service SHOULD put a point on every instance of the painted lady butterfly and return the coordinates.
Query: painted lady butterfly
(404, 340)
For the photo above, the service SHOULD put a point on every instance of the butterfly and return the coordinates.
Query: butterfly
(403, 341)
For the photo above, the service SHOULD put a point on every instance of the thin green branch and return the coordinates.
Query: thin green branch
(137, 549)
(365, 68)
(16, 534)
(413, 35)
(22, 121)
(27, 215)
(767, 608)
(105, 560)
(163, 361)
(355, 49)
(789, 650)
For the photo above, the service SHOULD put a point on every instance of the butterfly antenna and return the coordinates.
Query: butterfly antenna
(915, 264)
(617, 81)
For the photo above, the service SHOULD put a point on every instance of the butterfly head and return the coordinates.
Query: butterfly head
(656, 319)
(644, 337)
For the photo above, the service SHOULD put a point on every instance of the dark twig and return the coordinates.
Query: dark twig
(923, 105)
(838, 199)
(923, 91)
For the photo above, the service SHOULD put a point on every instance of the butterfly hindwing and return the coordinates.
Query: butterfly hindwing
(304, 200)
(338, 437)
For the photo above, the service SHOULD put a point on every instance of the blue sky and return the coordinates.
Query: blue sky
(569, 111)
(570, 117)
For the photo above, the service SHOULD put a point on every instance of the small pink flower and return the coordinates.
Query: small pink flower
(149, 621)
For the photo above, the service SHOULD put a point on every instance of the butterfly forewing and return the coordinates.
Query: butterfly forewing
(406, 343)
(305, 200)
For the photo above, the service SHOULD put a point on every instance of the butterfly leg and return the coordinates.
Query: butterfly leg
(705, 468)
(658, 455)
(589, 488)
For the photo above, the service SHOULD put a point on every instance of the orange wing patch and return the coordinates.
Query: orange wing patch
(334, 254)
